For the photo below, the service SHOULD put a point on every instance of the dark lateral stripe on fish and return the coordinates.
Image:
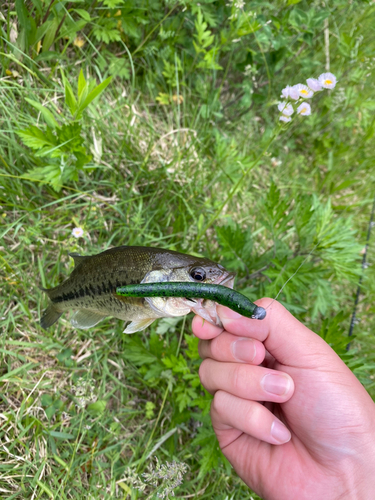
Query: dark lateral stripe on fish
(69, 296)
(90, 290)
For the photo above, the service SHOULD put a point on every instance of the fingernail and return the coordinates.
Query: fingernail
(244, 350)
(278, 385)
(279, 432)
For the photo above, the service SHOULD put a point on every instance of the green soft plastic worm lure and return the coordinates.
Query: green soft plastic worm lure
(218, 293)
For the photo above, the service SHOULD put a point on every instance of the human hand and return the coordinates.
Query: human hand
(329, 449)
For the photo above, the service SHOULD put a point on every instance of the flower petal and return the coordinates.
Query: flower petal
(304, 109)
(285, 108)
(302, 91)
(327, 80)
(284, 118)
(314, 84)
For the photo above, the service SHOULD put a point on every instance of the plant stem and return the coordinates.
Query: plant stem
(154, 28)
(154, 429)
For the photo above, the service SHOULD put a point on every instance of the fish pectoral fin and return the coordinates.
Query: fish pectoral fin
(138, 325)
(83, 319)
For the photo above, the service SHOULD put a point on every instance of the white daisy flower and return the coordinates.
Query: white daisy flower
(284, 118)
(293, 93)
(285, 108)
(304, 109)
(285, 93)
(314, 84)
(77, 232)
(327, 80)
(302, 90)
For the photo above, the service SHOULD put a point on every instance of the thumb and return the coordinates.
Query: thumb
(288, 340)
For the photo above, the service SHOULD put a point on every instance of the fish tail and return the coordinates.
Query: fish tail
(50, 316)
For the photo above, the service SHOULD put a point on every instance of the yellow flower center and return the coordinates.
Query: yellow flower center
(328, 82)
(303, 110)
(303, 91)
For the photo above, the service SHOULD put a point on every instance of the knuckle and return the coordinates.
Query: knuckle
(219, 402)
(202, 372)
(215, 348)
(251, 412)
(239, 377)
(202, 349)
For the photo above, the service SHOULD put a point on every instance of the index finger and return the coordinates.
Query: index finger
(205, 330)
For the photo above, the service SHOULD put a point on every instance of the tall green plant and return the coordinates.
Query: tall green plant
(59, 147)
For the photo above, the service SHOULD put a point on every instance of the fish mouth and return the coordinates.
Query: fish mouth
(228, 280)
(206, 309)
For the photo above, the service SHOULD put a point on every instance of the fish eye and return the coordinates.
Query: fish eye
(198, 274)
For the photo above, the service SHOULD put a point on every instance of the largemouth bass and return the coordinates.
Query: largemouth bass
(90, 289)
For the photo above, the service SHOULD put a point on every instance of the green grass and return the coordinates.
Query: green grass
(174, 141)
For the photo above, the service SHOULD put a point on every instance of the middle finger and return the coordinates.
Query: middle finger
(228, 347)
(246, 381)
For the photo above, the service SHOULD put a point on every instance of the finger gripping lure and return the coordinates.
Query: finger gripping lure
(218, 293)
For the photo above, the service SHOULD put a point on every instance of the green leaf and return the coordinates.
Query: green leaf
(16, 371)
(369, 104)
(163, 98)
(70, 29)
(28, 29)
(138, 355)
(119, 66)
(70, 99)
(65, 356)
(34, 137)
(236, 245)
(61, 462)
(60, 435)
(50, 34)
(46, 400)
(82, 85)
(50, 405)
(42, 30)
(70, 139)
(45, 488)
(22, 13)
(47, 115)
(209, 450)
(167, 325)
(93, 94)
(39, 6)
(98, 407)
(50, 174)
(111, 4)
(107, 34)
(84, 14)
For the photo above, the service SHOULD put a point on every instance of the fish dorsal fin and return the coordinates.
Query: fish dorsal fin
(77, 258)
(84, 319)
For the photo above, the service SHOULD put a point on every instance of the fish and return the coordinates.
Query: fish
(90, 290)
